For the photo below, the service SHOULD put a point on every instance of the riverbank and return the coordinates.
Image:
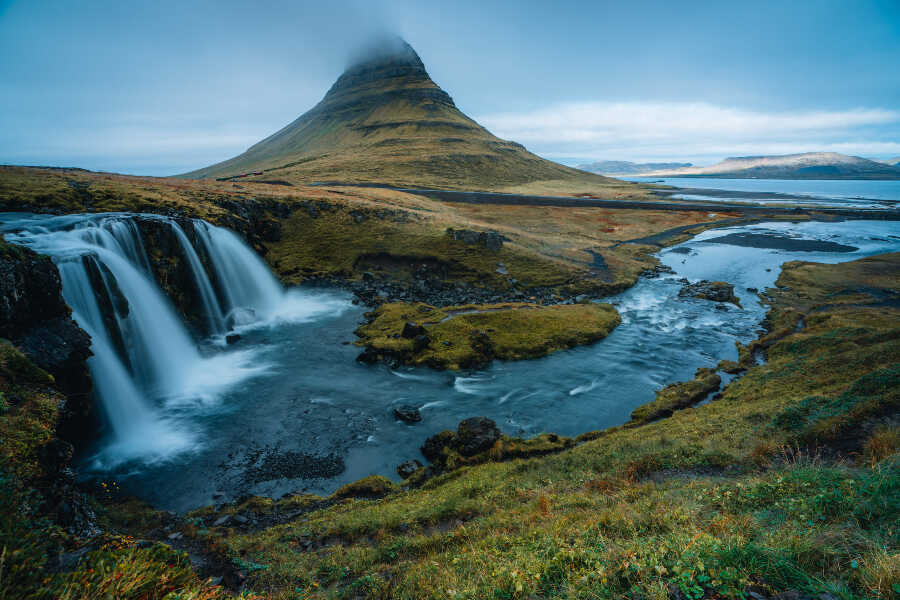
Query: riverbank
(786, 483)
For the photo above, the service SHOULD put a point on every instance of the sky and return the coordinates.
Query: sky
(164, 87)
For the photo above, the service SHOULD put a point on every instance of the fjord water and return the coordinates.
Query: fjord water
(289, 408)
(825, 192)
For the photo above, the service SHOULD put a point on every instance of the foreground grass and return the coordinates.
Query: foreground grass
(790, 481)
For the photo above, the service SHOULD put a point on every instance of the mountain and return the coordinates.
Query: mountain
(809, 165)
(624, 167)
(384, 120)
(892, 161)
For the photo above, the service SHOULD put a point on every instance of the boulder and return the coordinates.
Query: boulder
(715, 291)
(232, 338)
(406, 469)
(475, 435)
(433, 448)
(409, 414)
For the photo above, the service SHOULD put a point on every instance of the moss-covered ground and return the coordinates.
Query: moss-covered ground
(469, 336)
(789, 481)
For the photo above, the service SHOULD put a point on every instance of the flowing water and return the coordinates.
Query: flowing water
(288, 407)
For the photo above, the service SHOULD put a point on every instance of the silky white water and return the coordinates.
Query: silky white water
(146, 366)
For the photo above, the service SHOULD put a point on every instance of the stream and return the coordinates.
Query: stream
(288, 408)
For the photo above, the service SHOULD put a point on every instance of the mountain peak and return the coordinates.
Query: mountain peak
(385, 62)
(385, 120)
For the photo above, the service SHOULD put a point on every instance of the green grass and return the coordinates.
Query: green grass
(470, 336)
(714, 500)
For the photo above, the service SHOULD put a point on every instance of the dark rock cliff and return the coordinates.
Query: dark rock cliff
(34, 317)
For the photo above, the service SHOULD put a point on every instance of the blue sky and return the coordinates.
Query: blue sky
(164, 87)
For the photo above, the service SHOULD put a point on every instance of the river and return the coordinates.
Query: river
(288, 408)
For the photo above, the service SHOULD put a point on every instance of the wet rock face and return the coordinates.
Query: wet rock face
(475, 435)
(171, 268)
(34, 316)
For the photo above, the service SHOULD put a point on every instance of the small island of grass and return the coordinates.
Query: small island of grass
(470, 336)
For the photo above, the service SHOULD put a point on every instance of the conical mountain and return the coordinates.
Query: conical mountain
(384, 120)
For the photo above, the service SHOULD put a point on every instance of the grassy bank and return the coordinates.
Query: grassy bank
(790, 481)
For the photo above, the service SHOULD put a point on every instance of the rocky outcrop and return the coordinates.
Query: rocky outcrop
(475, 435)
(489, 239)
(35, 317)
(715, 291)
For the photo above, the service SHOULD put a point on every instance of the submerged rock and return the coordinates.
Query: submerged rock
(409, 414)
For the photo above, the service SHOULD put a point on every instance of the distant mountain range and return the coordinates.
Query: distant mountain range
(809, 165)
(892, 161)
(624, 167)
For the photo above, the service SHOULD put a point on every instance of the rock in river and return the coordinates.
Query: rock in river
(407, 413)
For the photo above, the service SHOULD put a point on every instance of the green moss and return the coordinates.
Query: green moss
(678, 396)
(471, 336)
(373, 486)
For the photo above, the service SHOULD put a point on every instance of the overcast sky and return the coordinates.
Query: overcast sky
(164, 87)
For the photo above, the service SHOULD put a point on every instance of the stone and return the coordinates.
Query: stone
(221, 521)
(407, 468)
(232, 338)
(412, 330)
(420, 343)
(475, 435)
(715, 291)
(408, 414)
(433, 447)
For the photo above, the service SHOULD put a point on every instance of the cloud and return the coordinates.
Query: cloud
(693, 129)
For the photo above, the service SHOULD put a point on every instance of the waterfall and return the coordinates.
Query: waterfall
(144, 358)
(249, 289)
(211, 309)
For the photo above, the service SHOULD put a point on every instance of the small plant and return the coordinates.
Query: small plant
(881, 444)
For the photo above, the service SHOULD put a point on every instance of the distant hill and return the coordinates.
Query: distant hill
(384, 120)
(809, 165)
(892, 161)
(624, 167)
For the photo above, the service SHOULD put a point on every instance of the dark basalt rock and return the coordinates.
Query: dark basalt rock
(475, 435)
(715, 291)
(34, 316)
(407, 468)
(420, 343)
(408, 414)
(232, 338)
(433, 448)
(412, 330)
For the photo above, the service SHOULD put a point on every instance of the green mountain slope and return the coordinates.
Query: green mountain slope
(385, 120)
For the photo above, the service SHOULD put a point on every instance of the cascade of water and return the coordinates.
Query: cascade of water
(214, 318)
(249, 289)
(142, 351)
